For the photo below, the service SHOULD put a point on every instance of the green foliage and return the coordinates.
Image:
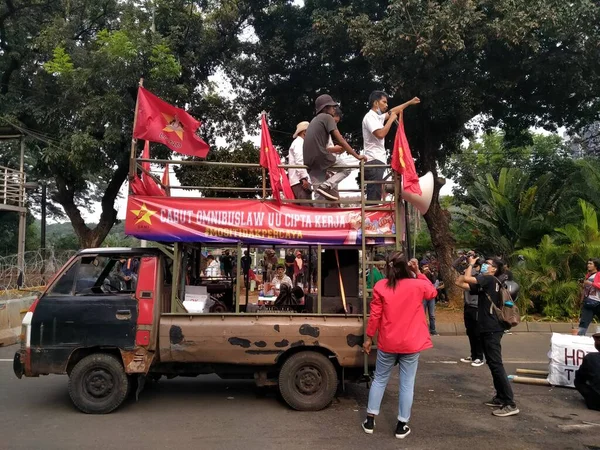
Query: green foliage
(548, 278)
(60, 64)
(226, 176)
(511, 212)
(79, 110)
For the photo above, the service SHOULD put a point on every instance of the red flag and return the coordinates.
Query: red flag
(269, 158)
(137, 187)
(165, 177)
(157, 121)
(150, 185)
(403, 163)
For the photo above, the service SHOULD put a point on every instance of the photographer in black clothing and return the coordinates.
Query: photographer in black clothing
(587, 377)
(487, 286)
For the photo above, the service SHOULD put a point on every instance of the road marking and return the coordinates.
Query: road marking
(506, 361)
(441, 362)
(524, 361)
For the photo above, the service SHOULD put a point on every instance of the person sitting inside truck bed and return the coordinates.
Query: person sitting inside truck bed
(587, 378)
(279, 279)
(213, 269)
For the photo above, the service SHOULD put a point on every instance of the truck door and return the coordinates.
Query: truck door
(89, 305)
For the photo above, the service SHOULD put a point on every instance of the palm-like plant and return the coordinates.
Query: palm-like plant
(510, 211)
(548, 278)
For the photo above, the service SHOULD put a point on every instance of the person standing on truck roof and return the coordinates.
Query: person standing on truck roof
(397, 313)
(299, 179)
(317, 156)
(375, 127)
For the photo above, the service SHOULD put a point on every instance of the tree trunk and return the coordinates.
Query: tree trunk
(93, 237)
(438, 223)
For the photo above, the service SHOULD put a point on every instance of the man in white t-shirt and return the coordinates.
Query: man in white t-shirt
(299, 179)
(375, 126)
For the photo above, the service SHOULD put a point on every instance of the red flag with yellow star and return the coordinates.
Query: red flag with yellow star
(403, 163)
(269, 158)
(158, 121)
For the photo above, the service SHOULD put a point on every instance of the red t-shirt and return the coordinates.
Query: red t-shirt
(399, 317)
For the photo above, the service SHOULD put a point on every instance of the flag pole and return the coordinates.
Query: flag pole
(132, 163)
(264, 171)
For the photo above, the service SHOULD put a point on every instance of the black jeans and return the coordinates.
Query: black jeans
(492, 349)
(472, 327)
(374, 174)
(591, 397)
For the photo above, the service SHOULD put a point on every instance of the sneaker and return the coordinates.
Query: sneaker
(467, 360)
(434, 333)
(402, 430)
(477, 363)
(326, 192)
(369, 425)
(506, 411)
(494, 402)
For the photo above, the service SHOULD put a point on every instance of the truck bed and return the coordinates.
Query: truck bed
(258, 339)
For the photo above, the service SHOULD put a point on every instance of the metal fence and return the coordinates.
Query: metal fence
(40, 267)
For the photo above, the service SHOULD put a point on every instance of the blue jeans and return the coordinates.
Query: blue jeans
(589, 308)
(430, 305)
(408, 370)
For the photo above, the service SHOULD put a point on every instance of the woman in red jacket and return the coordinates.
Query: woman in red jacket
(397, 313)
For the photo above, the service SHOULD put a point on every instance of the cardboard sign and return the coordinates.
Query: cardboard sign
(566, 355)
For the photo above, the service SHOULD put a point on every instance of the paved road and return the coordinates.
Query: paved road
(208, 413)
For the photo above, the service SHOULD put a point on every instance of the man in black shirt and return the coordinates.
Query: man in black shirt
(227, 264)
(487, 286)
(587, 378)
(290, 260)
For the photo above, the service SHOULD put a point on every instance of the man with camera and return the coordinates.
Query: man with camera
(487, 287)
(471, 303)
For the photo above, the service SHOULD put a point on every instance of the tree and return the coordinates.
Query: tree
(510, 212)
(70, 73)
(491, 152)
(223, 176)
(463, 58)
(549, 275)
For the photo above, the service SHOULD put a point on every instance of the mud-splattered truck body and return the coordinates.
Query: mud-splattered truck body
(107, 334)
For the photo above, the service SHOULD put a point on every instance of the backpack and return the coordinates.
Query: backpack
(508, 315)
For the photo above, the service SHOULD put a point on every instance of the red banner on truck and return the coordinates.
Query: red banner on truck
(170, 219)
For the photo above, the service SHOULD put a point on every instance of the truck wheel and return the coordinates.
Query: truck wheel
(308, 381)
(98, 384)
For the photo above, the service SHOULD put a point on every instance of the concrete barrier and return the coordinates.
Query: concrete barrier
(11, 317)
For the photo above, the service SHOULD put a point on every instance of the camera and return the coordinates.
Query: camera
(462, 262)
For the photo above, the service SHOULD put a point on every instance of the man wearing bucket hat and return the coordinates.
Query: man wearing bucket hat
(299, 179)
(317, 156)
(587, 377)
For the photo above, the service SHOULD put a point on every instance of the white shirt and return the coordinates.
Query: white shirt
(296, 157)
(593, 292)
(213, 270)
(374, 147)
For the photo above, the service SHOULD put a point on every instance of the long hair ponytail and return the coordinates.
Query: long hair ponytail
(396, 269)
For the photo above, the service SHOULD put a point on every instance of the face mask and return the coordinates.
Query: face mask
(378, 111)
(484, 268)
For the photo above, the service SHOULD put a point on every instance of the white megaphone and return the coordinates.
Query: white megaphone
(423, 201)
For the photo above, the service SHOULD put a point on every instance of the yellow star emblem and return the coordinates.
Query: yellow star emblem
(173, 125)
(143, 214)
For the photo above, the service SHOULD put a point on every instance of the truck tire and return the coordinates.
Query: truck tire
(98, 384)
(308, 381)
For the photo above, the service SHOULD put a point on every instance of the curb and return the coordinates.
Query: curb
(458, 328)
